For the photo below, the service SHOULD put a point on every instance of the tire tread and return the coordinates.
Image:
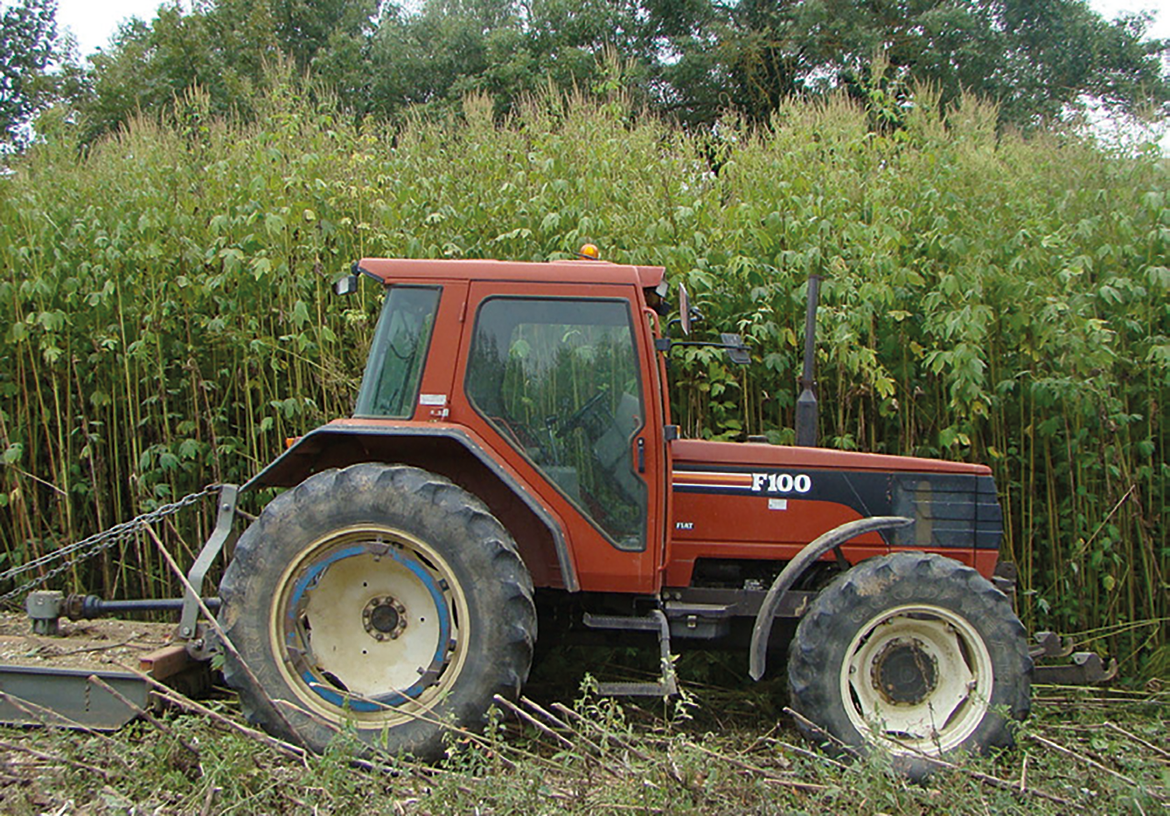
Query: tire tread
(853, 597)
(316, 502)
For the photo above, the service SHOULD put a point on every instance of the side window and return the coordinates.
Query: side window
(391, 382)
(559, 379)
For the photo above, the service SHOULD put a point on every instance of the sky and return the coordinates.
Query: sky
(93, 22)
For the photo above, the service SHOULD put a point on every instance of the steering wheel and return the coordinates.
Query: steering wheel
(586, 414)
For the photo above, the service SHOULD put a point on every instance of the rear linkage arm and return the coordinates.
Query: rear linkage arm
(223, 533)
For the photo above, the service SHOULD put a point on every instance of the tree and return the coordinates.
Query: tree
(306, 28)
(1065, 50)
(28, 30)
(1034, 57)
(447, 48)
(694, 59)
(431, 57)
(691, 59)
(223, 46)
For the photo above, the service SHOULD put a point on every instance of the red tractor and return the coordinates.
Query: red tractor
(512, 450)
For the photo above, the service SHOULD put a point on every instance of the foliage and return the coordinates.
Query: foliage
(27, 31)
(222, 47)
(165, 319)
(730, 757)
(1033, 57)
(695, 60)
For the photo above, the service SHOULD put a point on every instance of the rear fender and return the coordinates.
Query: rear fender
(447, 451)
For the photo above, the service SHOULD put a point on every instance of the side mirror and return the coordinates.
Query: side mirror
(688, 315)
(737, 350)
(346, 285)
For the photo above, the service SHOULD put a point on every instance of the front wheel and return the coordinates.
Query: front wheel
(913, 653)
(382, 601)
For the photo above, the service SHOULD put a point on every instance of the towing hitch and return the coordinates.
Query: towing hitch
(82, 690)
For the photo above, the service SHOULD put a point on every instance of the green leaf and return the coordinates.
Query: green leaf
(261, 267)
(300, 313)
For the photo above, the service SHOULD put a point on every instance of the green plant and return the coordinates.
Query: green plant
(166, 320)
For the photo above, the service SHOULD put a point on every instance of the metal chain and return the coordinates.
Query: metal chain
(93, 545)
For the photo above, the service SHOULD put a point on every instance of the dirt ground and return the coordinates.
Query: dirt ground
(90, 644)
(728, 750)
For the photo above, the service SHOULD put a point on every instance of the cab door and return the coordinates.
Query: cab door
(560, 380)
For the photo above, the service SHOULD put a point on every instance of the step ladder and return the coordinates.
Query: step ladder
(654, 622)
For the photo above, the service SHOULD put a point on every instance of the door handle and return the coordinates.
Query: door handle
(641, 454)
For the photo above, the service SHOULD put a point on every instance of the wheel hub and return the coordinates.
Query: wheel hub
(384, 617)
(905, 672)
(919, 675)
(369, 626)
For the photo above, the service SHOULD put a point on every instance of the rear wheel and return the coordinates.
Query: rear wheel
(913, 653)
(378, 600)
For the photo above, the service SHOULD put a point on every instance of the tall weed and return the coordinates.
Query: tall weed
(165, 317)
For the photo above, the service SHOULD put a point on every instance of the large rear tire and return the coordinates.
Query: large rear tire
(913, 653)
(381, 601)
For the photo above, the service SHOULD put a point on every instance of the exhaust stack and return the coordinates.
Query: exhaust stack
(806, 404)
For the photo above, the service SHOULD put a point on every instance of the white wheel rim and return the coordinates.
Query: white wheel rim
(917, 677)
(369, 626)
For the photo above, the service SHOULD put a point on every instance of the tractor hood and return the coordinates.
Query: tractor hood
(702, 452)
(758, 493)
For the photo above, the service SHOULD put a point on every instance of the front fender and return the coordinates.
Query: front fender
(796, 568)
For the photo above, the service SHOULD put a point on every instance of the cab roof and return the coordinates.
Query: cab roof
(389, 270)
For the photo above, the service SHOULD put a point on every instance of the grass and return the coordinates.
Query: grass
(724, 751)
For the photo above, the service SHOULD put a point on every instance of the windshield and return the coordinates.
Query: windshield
(394, 370)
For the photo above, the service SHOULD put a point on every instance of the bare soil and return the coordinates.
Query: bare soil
(90, 644)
